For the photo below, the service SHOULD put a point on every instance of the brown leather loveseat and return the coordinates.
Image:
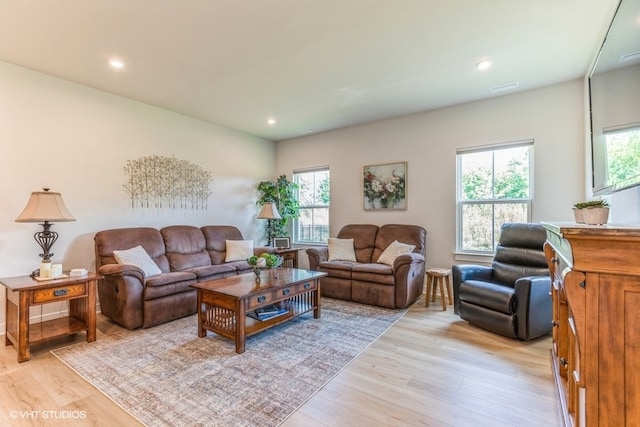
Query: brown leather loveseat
(366, 280)
(184, 254)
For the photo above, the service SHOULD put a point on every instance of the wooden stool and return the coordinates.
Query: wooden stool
(438, 276)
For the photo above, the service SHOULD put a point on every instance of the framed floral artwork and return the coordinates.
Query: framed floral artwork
(385, 187)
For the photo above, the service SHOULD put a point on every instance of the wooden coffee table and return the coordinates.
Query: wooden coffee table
(224, 304)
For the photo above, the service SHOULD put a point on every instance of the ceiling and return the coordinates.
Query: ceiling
(312, 65)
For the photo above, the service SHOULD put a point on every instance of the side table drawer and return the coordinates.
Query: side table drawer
(59, 293)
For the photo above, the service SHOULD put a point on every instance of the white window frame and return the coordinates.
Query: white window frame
(295, 222)
(470, 255)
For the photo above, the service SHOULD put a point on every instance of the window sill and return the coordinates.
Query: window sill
(306, 244)
(473, 257)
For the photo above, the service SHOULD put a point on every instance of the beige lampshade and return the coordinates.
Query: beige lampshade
(269, 211)
(45, 206)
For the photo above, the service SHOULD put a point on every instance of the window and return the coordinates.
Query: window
(312, 226)
(622, 148)
(494, 186)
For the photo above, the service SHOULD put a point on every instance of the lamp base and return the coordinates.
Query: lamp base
(46, 238)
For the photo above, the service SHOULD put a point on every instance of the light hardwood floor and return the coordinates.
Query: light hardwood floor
(429, 369)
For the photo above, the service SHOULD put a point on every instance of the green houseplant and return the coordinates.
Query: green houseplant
(283, 193)
(591, 212)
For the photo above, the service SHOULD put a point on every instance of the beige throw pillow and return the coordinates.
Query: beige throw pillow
(341, 250)
(140, 258)
(393, 251)
(238, 250)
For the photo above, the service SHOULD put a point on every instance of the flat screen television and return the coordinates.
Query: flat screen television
(614, 94)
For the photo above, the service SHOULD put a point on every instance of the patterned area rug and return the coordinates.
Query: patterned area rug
(167, 376)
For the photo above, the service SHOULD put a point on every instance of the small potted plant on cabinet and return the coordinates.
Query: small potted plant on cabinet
(592, 212)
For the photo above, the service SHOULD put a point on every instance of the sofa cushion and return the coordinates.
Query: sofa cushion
(341, 249)
(150, 239)
(375, 273)
(168, 284)
(339, 269)
(364, 238)
(240, 266)
(185, 247)
(410, 234)
(209, 272)
(393, 251)
(140, 258)
(216, 237)
(238, 250)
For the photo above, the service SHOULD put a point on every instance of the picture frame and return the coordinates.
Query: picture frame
(385, 187)
(281, 242)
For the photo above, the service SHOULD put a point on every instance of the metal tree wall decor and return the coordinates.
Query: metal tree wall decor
(166, 182)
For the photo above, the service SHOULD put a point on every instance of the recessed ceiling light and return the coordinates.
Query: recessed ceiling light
(483, 65)
(502, 88)
(630, 57)
(271, 121)
(306, 131)
(116, 63)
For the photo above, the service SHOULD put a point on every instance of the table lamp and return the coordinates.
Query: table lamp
(269, 212)
(45, 207)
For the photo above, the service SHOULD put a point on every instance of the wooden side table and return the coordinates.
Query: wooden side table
(289, 257)
(439, 277)
(24, 292)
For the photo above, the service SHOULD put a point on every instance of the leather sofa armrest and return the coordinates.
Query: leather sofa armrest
(121, 293)
(121, 270)
(462, 273)
(408, 273)
(317, 255)
(533, 303)
(406, 259)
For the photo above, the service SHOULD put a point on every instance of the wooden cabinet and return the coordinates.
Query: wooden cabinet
(595, 354)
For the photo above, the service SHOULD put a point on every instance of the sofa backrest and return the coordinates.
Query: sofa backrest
(150, 239)
(520, 252)
(364, 237)
(185, 247)
(216, 237)
(403, 233)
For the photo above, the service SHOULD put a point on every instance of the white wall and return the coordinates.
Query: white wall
(552, 116)
(76, 141)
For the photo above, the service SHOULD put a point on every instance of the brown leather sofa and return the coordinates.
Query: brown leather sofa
(185, 255)
(367, 281)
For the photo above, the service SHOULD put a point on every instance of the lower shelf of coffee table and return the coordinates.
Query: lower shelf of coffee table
(254, 325)
(223, 321)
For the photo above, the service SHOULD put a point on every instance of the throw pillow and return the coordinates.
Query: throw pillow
(140, 258)
(341, 250)
(393, 251)
(238, 250)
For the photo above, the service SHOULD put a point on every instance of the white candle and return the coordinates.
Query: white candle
(45, 270)
(56, 270)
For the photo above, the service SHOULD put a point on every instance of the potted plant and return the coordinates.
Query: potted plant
(591, 212)
(283, 193)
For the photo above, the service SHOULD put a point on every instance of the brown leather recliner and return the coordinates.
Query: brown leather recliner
(367, 281)
(512, 296)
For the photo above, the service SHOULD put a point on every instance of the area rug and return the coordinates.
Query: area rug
(167, 376)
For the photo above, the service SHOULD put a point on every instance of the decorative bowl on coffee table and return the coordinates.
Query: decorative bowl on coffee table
(265, 261)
